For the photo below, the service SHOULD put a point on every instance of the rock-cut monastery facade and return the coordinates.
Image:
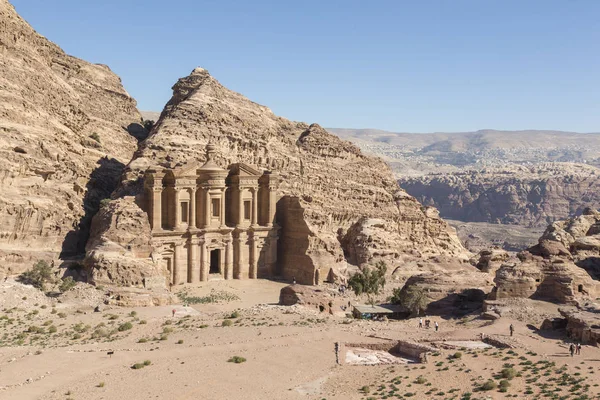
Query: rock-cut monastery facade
(209, 222)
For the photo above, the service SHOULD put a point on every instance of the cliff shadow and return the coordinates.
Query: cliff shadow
(102, 182)
(293, 261)
(458, 304)
(591, 265)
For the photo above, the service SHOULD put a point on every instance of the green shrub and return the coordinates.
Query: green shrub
(95, 136)
(100, 385)
(237, 360)
(67, 284)
(147, 362)
(143, 322)
(226, 322)
(508, 373)
(489, 385)
(137, 366)
(142, 340)
(38, 276)
(234, 315)
(125, 327)
(421, 380)
(52, 329)
(62, 315)
(504, 385)
(457, 355)
(180, 341)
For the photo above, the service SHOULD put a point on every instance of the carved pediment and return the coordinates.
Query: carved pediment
(241, 169)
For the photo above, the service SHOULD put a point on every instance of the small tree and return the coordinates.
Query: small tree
(95, 136)
(38, 276)
(369, 280)
(66, 284)
(148, 124)
(412, 297)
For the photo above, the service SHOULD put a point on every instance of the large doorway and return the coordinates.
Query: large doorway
(215, 260)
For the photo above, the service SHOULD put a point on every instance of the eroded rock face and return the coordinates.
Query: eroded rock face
(53, 174)
(514, 194)
(458, 291)
(120, 250)
(563, 267)
(327, 185)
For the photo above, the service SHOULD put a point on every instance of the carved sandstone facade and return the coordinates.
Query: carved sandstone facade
(211, 222)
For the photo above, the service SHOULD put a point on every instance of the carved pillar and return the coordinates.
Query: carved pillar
(272, 205)
(253, 258)
(192, 268)
(240, 217)
(203, 261)
(177, 224)
(192, 212)
(229, 259)
(176, 264)
(222, 211)
(239, 259)
(254, 192)
(157, 208)
(207, 215)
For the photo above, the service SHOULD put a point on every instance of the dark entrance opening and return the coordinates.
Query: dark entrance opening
(580, 288)
(215, 256)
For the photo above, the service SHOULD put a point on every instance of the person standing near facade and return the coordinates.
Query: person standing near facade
(512, 329)
(572, 349)
(437, 326)
(578, 349)
(421, 323)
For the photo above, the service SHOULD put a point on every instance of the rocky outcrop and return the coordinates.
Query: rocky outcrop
(514, 194)
(452, 292)
(120, 250)
(491, 260)
(562, 267)
(327, 185)
(582, 326)
(64, 142)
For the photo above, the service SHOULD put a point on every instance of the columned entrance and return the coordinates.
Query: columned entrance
(215, 262)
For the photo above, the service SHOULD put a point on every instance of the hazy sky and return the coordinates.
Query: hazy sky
(410, 66)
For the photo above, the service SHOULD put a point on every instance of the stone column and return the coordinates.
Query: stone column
(254, 192)
(240, 220)
(177, 224)
(203, 261)
(222, 211)
(272, 205)
(229, 260)
(253, 259)
(239, 259)
(193, 270)
(176, 264)
(192, 213)
(157, 208)
(207, 214)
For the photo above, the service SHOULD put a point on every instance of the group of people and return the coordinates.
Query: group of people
(575, 349)
(428, 324)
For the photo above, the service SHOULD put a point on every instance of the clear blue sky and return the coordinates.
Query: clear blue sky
(409, 66)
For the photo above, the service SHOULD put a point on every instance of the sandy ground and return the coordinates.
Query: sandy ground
(289, 354)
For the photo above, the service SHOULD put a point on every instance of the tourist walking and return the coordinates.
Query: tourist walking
(420, 322)
(578, 349)
(437, 326)
(174, 312)
(512, 329)
(572, 349)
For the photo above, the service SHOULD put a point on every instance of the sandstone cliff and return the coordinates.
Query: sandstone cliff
(563, 267)
(336, 203)
(530, 196)
(63, 144)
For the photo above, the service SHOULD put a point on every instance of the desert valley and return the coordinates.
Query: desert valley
(216, 250)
